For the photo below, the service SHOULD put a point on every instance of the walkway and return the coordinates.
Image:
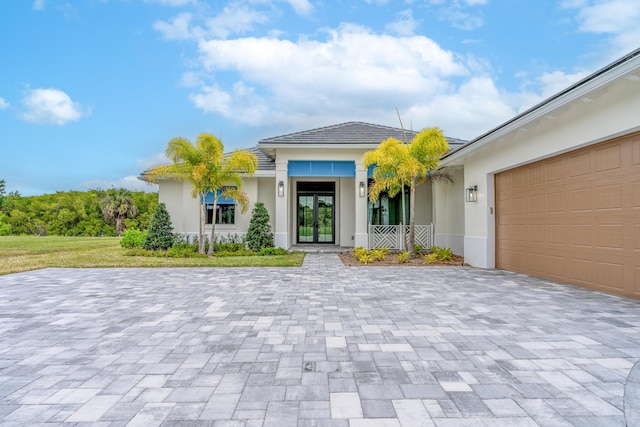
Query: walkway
(321, 345)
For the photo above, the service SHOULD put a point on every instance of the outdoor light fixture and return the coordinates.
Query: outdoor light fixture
(363, 189)
(472, 194)
(280, 189)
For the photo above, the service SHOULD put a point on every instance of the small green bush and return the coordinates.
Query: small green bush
(430, 258)
(379, 253)
(418, 248)
(259, 235)
(273, 251)
(442, 254)
(133, 239)
(160, 233)
(403, 257)
(359, 251)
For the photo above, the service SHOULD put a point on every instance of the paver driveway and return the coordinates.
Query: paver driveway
(319, 345)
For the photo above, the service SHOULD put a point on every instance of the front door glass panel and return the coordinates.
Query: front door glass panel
(316, 211)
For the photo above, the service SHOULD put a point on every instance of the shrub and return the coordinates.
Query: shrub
(160, 233)
(418, 248)
(403, 257)
(379, 253)
(273, 251)
(259, 235)
(443, 254)
(430, 258)
(359, 251)
(133, 239)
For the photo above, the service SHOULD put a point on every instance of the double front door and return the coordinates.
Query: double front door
(316, 212)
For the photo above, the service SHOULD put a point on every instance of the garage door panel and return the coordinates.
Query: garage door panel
(581, 200)
(608, 158)
(611, 275)
(574, 217)
(609, 237)
(581, 235)
(635, 151)
(609, 197)
(636, 195)
(555, 202)
(579, 164)
(581, 270)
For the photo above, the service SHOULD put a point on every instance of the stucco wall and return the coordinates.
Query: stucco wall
(448, 212)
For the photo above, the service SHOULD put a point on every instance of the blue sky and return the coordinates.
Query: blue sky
(91, 91)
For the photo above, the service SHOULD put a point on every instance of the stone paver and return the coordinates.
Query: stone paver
(320, 345)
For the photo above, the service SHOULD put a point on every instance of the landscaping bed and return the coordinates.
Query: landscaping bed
(391, 259)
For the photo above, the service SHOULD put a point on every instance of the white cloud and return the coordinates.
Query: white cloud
(354, 74)
(131, 183)
(152, 160)
(301, 7)
(51, 106)
(404, 24)
(4, 104)
(618, 18)
(38, 5)
(171, 2)
(179, 28)
(233, 19)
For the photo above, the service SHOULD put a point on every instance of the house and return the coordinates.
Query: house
(314, 186)
(555, 191)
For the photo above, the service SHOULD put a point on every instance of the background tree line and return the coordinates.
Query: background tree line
(75, 213)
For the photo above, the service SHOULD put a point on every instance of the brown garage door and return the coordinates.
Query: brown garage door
(574, 218)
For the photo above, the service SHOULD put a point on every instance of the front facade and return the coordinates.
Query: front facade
(314, 186)
(554, 192)
(557, 187)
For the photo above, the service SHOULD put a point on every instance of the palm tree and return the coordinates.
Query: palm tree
(398, 165)
(117, 205)
(208, 170)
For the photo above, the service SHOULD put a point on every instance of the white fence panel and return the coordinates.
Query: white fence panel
(390, 236)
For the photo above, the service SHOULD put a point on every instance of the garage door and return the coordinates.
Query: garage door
(574, 218)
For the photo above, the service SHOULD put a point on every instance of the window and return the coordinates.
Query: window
(225, 209)
(225, 214)
(388, 211)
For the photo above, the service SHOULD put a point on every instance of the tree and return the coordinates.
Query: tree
(259, 234)
(206, 167)
(2, 189)
(160, 233)
(398, 165)
(117, 205)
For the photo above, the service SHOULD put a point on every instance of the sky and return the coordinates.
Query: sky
(91, 91)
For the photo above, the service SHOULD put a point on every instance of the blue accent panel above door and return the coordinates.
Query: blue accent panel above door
(322, 168)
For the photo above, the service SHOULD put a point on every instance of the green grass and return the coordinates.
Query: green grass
(24, 253)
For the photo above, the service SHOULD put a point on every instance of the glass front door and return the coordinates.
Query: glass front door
(315, 216)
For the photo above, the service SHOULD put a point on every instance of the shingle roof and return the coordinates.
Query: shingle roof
(265, 163)
(348, 133)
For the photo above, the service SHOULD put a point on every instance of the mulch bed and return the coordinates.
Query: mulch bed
(392, 260)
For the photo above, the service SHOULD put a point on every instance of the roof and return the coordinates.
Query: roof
(609, 73)
(352, 133)
(265, 163)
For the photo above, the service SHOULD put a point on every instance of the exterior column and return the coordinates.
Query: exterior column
(362, 227)
(281, 234)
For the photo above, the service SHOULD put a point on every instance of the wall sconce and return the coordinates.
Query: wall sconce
(362, 189)
(472, 194)
(280, 189)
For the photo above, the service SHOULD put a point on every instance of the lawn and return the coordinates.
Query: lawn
(24, 253)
